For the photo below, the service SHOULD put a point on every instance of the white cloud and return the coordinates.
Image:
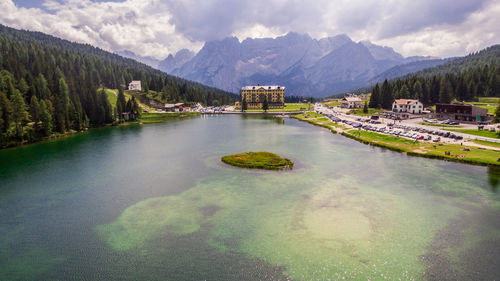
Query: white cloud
(159, 27)
(477, 31)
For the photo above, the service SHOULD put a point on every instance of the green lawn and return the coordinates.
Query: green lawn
(482, 133)
(493, 100)
(456, 152)
(438, 125)
(313, 115)
(112, 97)
(333, 103)
(487, 143)
(491, 107)
(371, 111)
(405, 143)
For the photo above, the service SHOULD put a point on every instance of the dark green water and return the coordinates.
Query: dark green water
(154, 202)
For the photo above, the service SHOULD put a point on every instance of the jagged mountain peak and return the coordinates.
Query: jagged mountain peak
(305, 65)
(382, 52)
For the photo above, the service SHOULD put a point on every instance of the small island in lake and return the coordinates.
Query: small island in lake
(258, 160)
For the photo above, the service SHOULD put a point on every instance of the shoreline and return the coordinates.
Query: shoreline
(401, 146)
(142, 121)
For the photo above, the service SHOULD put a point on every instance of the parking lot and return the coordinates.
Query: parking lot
(409, 129)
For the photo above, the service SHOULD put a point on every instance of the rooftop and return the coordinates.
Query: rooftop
(267, 87)
(405, 101)
(352, 99)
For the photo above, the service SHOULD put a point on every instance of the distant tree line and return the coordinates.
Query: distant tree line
(466, 85)
(297, 99)
(49, 85)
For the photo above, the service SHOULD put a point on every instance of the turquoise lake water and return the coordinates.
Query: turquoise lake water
(154, 202)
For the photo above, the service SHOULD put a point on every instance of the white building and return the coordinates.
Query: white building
(407, 105)
(351, 102)
(135, 85)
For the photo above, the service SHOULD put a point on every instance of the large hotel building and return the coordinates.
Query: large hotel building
(255, 96)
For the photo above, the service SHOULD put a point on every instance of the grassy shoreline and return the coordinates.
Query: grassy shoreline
(152, 118)
(320, 123)
(448, 152)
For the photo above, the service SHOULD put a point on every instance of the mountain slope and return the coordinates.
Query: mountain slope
(145, 60)
(488, 56)
(401, 70)
(306, 66)
(175, 61)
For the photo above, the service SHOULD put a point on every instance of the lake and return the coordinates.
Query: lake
(154, 202)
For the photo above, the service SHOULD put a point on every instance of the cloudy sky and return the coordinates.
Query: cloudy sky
(156, 28)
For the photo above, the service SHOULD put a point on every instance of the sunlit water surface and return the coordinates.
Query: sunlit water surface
(154, 202)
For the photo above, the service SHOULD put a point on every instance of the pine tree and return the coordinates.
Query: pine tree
(136, 110)
(365, 108)
(20, 113)
(497, 114)
(62, 105)
(35, 109)
(445, 91)
(244, 104)
(418, 90)
(265, 104)
(404, 93)
(5, 113)
(386, 93)
(46, 119)
(375, 97)
(120, 102)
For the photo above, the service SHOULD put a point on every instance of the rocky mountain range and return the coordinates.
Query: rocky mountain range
(306, 66)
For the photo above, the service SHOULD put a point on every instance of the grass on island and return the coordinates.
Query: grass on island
(149, 118)
(258, 160)
(481, 133)
(487, 143)
(438, 125)
(371, 111)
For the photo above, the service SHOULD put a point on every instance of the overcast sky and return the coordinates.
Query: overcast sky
(156, 28)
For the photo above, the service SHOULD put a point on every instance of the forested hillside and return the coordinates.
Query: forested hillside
(49, 85)
(488, 56)
(463, 79)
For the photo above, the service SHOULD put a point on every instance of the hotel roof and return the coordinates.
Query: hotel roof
(267, 87)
